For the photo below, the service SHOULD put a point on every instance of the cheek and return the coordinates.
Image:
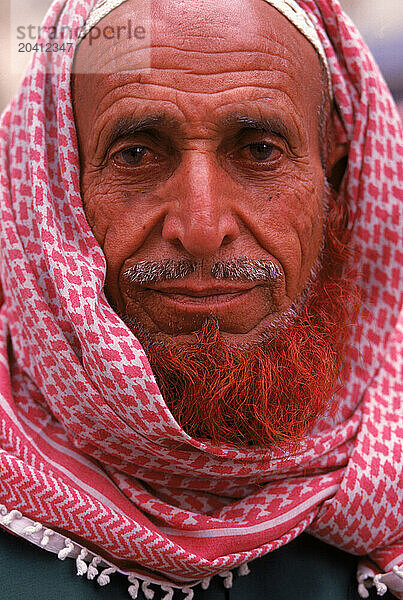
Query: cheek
(289, 225)
(120, 224)
(307, 222)
(304, 213)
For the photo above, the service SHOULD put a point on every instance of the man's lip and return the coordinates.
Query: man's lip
(181, 307)
(201, 291)
(193, 302)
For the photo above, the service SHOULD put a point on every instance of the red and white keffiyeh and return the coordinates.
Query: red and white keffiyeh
(88, 447)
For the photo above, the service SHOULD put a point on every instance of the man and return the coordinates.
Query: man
(190, 219)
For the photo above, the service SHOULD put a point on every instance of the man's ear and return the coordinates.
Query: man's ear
(336, 163)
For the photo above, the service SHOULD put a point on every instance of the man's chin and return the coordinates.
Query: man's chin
(264, 330)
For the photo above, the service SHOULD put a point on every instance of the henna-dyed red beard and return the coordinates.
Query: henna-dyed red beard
(270, 393)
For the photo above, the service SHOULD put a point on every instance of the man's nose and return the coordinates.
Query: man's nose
(201, 216)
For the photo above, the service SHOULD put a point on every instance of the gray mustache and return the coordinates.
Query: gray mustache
(240, 269)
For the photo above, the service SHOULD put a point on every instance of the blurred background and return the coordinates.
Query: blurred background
(380, 22)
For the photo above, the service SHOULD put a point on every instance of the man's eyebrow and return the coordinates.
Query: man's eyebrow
(273, 125)
(130, 125)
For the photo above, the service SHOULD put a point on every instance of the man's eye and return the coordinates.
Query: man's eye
(262, 151)
(258, 155)
(131, 157)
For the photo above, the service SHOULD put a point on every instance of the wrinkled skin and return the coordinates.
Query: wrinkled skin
(200, 185)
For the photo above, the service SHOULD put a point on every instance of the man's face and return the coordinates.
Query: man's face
(202, 164)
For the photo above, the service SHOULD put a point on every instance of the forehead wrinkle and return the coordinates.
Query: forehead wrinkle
(228, 86)
(253, 65)
(267, 40)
